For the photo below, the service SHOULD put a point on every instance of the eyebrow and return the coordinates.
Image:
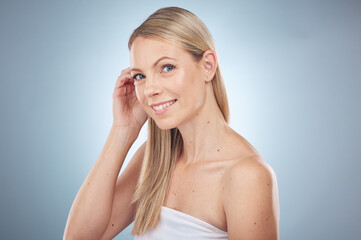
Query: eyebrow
(155, 64)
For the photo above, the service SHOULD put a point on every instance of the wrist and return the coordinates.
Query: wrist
(125, 132)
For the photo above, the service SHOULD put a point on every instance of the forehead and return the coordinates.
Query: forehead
(147, 50)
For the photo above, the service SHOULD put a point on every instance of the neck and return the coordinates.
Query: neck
(203, 134)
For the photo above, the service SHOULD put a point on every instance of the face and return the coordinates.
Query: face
(168, 81)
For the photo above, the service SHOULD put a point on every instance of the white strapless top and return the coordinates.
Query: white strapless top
(176, 225)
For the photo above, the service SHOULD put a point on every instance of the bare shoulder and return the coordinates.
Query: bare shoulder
(250, 199)
(253, 167)
(249, 163)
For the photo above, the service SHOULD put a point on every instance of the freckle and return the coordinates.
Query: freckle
(112, 225)
(268, 184)
(255, 223)
(266, 219)
(217, 150)
(207, 121)
(193, 190)
(107, 174)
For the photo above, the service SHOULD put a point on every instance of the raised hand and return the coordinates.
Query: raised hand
(127, 110)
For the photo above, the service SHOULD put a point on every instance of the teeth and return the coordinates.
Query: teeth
(162, 106)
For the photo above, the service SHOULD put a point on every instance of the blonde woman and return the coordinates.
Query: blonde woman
(194, 177)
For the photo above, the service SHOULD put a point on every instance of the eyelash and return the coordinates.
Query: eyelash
(168, 65)
(163, 66)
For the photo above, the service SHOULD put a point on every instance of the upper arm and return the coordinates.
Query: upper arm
(250, 201)
(122, 208)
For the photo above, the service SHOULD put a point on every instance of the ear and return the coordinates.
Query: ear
(209, 64)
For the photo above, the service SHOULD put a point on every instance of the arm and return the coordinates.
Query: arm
(251, 201)
(123, 210)
(92, 208)
(103, 196)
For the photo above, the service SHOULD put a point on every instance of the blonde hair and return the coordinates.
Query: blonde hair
(164, 146)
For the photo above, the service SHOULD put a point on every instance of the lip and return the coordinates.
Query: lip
(158, 112)
(160, 103)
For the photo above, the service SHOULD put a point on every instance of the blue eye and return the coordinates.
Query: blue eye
(138, 77)
(168, 68)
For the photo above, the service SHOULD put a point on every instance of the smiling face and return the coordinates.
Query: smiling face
(168, 81)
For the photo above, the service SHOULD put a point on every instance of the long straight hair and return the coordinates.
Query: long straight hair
(164, 146)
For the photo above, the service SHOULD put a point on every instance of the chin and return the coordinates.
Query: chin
(165, 125)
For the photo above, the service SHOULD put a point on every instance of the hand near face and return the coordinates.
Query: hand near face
(127, 111)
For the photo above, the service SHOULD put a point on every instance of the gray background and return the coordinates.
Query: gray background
(292, 71)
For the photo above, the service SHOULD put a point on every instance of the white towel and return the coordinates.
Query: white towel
(176, 225)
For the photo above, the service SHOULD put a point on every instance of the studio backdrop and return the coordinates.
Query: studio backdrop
(292, 73)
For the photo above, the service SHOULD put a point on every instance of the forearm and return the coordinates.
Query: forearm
(92, 206)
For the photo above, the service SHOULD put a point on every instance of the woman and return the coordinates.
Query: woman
(194, 178)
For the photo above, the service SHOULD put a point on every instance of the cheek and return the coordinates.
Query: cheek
(181, 82)
(189, 85)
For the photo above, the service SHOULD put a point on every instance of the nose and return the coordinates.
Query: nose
(152, 87)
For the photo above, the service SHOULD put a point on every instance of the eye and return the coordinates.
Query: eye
(138, 77)
(168, 67)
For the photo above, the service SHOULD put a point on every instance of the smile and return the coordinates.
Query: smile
(160, 108)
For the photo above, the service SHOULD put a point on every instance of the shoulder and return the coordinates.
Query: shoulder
(245, 173)
(251, 168)
(250, 199)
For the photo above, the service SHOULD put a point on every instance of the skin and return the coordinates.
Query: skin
(243, 198)
(219, 177)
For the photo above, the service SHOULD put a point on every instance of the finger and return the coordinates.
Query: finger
(123, 79)
(120, 78)
(119, 92)
(127, 73)
(129, 88)
(126, 70)
(131, 80)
